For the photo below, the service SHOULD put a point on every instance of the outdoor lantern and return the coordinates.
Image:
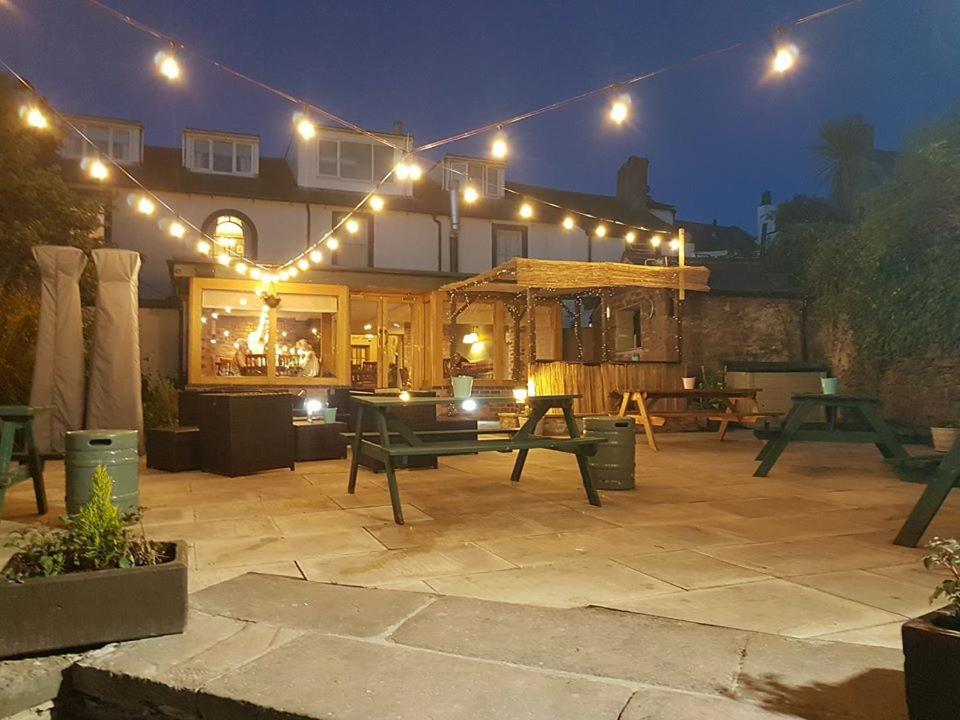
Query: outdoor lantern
(404, 395)
(313, 407)
(520, 395)
(469, 404)
(470, 338)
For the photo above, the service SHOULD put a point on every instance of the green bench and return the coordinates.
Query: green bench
(941, 473)
(20, 459)
(394, 441)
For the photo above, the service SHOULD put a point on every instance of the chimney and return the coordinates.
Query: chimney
(632, 188)
(398, 127)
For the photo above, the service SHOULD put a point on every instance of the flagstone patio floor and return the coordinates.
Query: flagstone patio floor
(806, 552)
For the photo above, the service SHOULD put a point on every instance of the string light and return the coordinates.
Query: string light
(284, 275)
(402, 171)
(145, 206)
(352, 226)
(526, 211)
(630, 236)
(34, 117)
(255, 273)
(600, 231)
(203, 247)
(292, 271)
(655, 241)
(674, 244)
(96, 169)
(305, 126)
(376, 203)
(177, 229)
(316, 257)
(223, 259)
(470, 194)
(167, 65)
(303, 264)
(414, 171)
(241, 268)
(785, 58)
(333, 243)
(499, 147)
(568, 223)
(620, 109)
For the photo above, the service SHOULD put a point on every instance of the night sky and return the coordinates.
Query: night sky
(717, 133)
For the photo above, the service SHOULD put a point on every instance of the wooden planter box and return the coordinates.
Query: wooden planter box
(931, 665)
(93, 608)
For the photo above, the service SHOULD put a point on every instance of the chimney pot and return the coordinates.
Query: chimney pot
(632, 188)
(398, 127)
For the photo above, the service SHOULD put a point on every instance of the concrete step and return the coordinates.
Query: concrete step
(263, 647)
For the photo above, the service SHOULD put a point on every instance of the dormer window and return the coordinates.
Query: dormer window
(487, 178)
(355, 160)
(221, 154)
(117, 140)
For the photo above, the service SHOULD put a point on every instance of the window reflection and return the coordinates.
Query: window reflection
(473, 343)
(233, 331)
(306, 342)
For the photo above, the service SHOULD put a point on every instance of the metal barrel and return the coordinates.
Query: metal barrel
(613, 467)
(115, 449)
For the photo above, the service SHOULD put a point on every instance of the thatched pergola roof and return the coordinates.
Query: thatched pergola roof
(519, 275)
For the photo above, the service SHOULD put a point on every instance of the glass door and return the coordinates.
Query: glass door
(385, 344)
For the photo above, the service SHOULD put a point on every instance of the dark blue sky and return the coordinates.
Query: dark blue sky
(717, 133)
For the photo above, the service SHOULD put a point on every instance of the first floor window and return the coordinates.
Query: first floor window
(509, 241)
(222, 156)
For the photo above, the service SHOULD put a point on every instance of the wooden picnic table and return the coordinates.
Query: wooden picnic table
(396, 441)
(18, 445)
(645, 400)
(876, 431)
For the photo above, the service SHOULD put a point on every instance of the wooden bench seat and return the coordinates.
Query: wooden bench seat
(713, 415)
(459, 447)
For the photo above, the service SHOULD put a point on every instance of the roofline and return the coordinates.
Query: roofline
(365, 132)
(104, 119)
(487, 161)
(217, 133)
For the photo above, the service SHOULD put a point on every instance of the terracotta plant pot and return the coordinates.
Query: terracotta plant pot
(689, 383)
(944, 437)
(93, 608)
(931, 665)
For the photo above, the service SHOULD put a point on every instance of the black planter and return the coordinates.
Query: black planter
(931, 664)
(93, 608)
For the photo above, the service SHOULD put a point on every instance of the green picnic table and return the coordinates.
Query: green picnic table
(876, 430)
(19, 457)
(396, 441)
(941, 473)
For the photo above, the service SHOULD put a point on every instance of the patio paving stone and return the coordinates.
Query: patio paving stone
(692, 570)
(656, 704)
(338, 609)
(877, 591)
(587, 641)
(234, 552)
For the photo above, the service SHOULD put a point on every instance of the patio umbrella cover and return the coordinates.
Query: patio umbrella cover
(113, 398)
(58, 367)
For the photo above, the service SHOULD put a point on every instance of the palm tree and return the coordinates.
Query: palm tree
(848, 162)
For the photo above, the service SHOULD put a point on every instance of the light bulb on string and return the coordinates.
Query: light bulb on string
(177, 229)
(785, 58)
(674, 244)
(33, 117)
(255, 273)
(303, 264)
(333, 243)
(292, 271)
(223, 259)
(415, 171)
(352, 226)
(630, 237)
(600, 231)
(316, 257)
(95, 168)
(499, 147)
(526, 211)
(284, 275)
(241, 269)
(470, 194)
(620, 108)
(305, 126)
(145, 206)
(401, 171)
(203, 247)
(655, 241)
(167, 65)
(375, 203)
(568, 223)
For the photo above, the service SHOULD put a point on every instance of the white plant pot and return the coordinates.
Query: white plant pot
(944, 438)
(689, 383)
(462, 386)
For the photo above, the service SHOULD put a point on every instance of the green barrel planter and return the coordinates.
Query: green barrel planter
(118, 451)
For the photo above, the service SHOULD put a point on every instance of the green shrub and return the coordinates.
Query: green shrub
(159, 402)
(946, 555)
(95, 538)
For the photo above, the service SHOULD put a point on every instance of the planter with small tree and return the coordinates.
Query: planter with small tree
(931, 643)
(91, 582)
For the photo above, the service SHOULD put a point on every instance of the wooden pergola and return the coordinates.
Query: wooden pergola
(522, 282)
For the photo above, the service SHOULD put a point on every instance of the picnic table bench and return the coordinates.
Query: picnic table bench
(645, 400)
(390, 428)
(20, 459)
(941, 473)
(875, 431)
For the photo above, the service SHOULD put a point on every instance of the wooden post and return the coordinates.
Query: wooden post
(604, 327)
(577, 329)
(531, 326)
(682, 260)
(517, 351)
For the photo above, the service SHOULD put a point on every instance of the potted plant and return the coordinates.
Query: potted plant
(91, 582)
(931, 643)
(944, 434)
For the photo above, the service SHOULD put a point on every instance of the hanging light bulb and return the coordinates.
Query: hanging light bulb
(333, 243)
(241, 268)
(568, 223)
(470, 194)
(600, 231)
(167, 65)
(284, 275)
(34, 117)
(203, 247)
(630, 237)
(177, 229)
(620, 109)
(303, 264)
(97, 170)
(255, 273)
(785, 58)
(352, 226)
(402, 171)
(292, 271)
(526, 211)
(223, 259)
(415, 172)
(145, 206)
(655, 241)
(316, 257)
(674, 244)
(375, 203)
(499, 147)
